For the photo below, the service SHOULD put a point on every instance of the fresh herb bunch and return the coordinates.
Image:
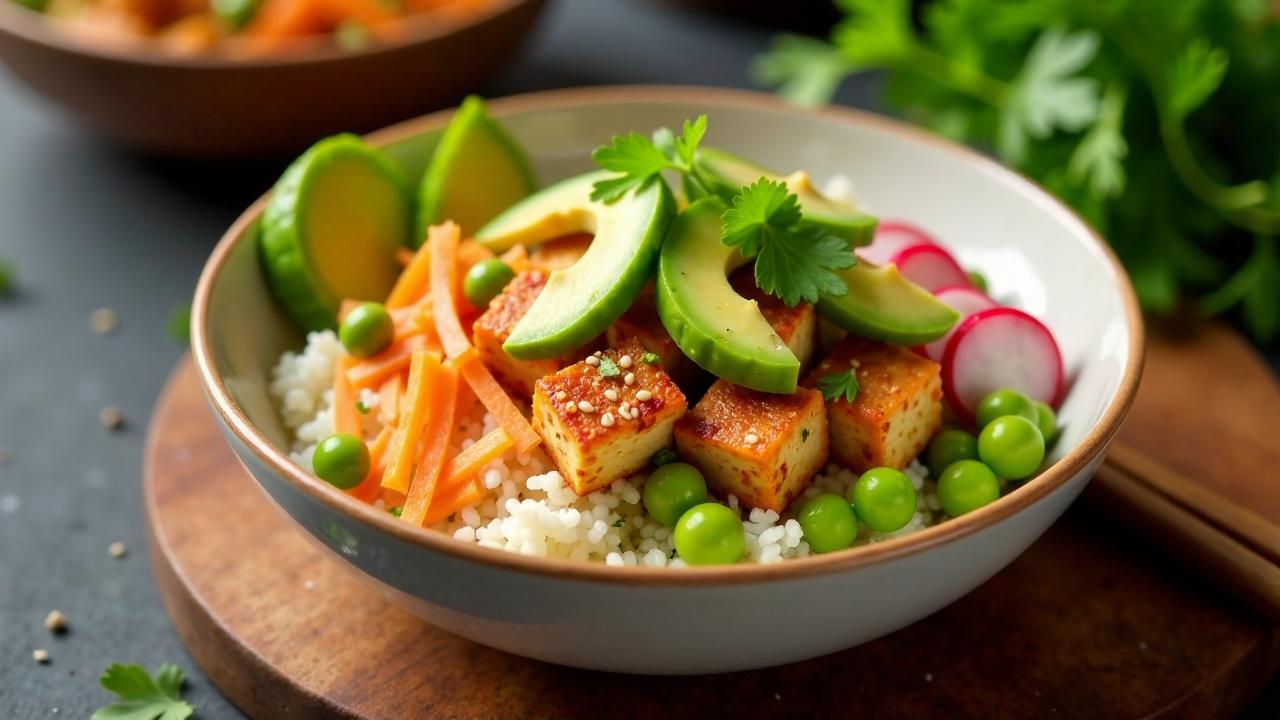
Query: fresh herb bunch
(1158, 120)
(794, 258)
(140, 697)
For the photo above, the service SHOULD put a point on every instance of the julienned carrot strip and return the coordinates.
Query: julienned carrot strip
(366, 12)
(424, 370)
(412, 283)
(469, 462)
(370, 372)
(442, 243)
(404, 256)
(432, 446)
(451, 500)
(389, 399)
(346, 419)
(496, 400)
(517, 257)
(285, 18)
(471, 252)
(372, 485)
(467, 400)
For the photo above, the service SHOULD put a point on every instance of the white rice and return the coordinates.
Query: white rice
(531, 510)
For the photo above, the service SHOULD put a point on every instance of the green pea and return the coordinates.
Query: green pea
(341, 460)
(829, 523)
(366, 330)
(978, 280)
(485, 280)
(884, 499)
(1047, 421)
(1012, 446)
(965, 486)
(671, 490)
(1005, 402)
(947, 447)
(710, 534)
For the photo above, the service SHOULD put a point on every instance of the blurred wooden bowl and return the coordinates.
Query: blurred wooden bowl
(141, 96)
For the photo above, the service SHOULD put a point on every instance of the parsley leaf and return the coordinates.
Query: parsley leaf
(396, 511)
(650, 358)
(1098, 161)
(1194, 76)
(640, 160)
(362, 408)
(1047, 94)
(794, 259)
(874, 31)
(664, 456)
(835, 385)
(141, 697)
(608, 368)
(806, 71)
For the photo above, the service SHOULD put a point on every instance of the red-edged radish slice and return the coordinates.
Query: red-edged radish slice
(930, 267)
(966, 300)
(1000, 348)
(892, 238)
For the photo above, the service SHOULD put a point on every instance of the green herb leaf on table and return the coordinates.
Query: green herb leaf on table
(144, 698)
(794, 259)
(640, 160)
(1048, 94)
(836, 385)
(607, 367)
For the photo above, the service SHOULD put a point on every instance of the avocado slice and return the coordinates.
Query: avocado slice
(582, 300)
(477, 171)
(716, 327)
(883, 305)
(725, 174)
(331, 229)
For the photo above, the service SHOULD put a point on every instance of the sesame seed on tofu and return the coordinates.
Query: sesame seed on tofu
(897, 410)
(722, 436)
(596, 429)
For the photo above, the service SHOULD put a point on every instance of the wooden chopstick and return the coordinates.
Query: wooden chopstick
(1244, 525)
(1250, 576)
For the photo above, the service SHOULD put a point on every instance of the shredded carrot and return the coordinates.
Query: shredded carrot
(451, 500)
(404, 256)
(389, 399)
(432, 446)
(424, 371)
(412, 283)
(277, 19)
(442, 244)
(367, 12)
(517, 257)
(472, 459)
(496, 400)
(346, 418)
(370, 372)
(471, 252)
(391, 498)
(368, 490)
(467, 400)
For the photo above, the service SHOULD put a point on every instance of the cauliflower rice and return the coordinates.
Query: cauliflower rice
(531, 510)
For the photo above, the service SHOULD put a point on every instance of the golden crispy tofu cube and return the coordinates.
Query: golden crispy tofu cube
(795, 325)
(596, 426)
(897, 410)
(493, 328)
(560, 253)
(641, 322)
(761, 447)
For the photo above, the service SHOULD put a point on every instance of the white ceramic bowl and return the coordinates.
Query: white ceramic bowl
(1036, 253)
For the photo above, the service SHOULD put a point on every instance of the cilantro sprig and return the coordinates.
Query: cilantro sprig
(841, 384)
(1132, 112)
(794, 259)
(144, 698)
(639, 160)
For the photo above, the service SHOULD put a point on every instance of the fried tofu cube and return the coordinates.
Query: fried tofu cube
(897, 410)
(596, 426)
(797, 326)
(641, 322)
(763, 448)
(493, 328)
(560, 253)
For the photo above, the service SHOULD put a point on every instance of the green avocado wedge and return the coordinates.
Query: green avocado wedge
(883, 305)
(477, 171)
(331, 229)
(716, 327)
(725, 174)
(581, 301)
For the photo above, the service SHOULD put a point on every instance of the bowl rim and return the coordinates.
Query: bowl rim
(1051, 479)
(33, 27)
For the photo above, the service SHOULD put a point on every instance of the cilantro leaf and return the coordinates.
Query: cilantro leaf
(1194, 76)
(794, 260)
(1098, 161)
(835, 385)
(805, 71)
(362, 408)
(141, 697)
(874, 31)
(396, 510)
(1047, 94)
(607, 367)
(640, 160)
(650, 358)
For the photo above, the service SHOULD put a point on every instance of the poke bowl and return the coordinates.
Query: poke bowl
(600, 417)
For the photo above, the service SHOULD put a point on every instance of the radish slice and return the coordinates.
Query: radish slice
(967, 300)
(1000, 348)
(930, 267)
(892, 238)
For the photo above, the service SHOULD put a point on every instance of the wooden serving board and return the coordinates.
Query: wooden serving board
(1090, 622)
